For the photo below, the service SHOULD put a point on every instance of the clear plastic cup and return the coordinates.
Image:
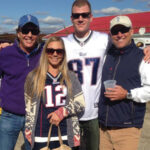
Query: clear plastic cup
(109, 84)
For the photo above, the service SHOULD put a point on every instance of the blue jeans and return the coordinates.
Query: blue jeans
(10, 127)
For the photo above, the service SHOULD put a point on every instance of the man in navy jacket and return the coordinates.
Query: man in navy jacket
(122, 108)
(16, 61)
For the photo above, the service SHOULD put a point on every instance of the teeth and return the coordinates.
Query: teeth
(29, 41)
(120, 40)
(55, 59)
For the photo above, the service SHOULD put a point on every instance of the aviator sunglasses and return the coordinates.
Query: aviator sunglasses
(32, 30)
(51, 51)
(77, 15)
(114, 31)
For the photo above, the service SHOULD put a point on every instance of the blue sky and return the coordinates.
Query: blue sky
(54, 15)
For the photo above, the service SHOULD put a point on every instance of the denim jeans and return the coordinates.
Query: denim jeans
(10, 127)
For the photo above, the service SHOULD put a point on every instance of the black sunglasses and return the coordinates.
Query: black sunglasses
(114, 31)
(32, 30)
(77, 15)
(52, 51)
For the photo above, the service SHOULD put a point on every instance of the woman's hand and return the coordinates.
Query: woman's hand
(28, 135)
(54, 119)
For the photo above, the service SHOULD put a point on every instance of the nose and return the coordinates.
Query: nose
(55, 53)
(30, 33)
(80, 17)
(119, 34)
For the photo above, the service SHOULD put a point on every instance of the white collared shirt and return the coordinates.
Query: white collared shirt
(142, 94)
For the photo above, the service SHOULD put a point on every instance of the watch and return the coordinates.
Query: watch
(129, 95)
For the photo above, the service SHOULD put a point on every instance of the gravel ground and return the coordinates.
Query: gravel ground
(20, 143)
(144, 143)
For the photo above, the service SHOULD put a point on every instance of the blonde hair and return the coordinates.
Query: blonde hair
(37, 77)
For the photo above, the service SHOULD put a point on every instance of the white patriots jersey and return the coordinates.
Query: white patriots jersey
(86, 60)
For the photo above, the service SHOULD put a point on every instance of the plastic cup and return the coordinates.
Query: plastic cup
(109, 84)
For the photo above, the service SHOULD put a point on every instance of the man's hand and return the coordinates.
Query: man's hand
(3, 45)
(54, 119)
(147, 54)
(116, 93)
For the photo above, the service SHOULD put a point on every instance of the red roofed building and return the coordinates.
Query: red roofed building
(140, 21)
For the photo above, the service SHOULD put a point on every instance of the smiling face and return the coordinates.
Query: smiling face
(28, 36)
(55, 52)
(122, 37)
(81, 24)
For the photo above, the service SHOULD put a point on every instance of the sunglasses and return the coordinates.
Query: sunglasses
(77, 15)
(51, 51)
(27, 30)
(114, 31)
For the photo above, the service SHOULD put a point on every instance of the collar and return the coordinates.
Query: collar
(54, 79)
(39, 46)
(83, 42)
(122, 51)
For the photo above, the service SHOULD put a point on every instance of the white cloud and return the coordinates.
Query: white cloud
(107, 11)
(52, 20)
(50, 29)
(15, 27)
(115, 11)
(130, 10)
(9, 22)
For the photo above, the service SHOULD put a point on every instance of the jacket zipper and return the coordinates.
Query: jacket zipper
(132, 111)
(28, 63)
(114, 74)
(115, 70)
